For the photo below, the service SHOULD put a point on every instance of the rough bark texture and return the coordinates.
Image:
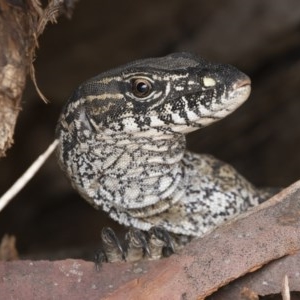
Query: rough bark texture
(246, 244)
(17, 27)
(21, 22)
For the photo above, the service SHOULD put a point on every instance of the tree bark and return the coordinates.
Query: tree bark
(17, 39)
(21, 22)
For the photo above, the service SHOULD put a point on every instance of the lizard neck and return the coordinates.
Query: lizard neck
(136, 171)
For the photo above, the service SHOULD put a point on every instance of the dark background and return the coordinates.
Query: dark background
(261, 139)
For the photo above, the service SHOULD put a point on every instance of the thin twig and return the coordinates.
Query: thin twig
(285, 290)
(22, 181)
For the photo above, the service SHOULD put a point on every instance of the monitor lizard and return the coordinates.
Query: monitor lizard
(122, 144)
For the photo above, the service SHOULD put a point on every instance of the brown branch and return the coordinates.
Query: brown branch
(242, 246)
(21, 22)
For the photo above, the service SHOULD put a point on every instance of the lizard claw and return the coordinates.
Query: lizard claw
(112, 245)
(159, 237)
(154, 244)
(136, 239)
(100, 257)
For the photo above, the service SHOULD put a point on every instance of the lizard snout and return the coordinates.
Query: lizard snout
(242, 82)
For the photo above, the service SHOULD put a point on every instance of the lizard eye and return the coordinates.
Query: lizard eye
(141, 87)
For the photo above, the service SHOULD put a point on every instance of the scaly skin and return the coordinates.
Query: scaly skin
(122, 144)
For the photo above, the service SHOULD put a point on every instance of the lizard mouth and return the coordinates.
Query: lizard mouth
(235, 97)
(241, 90)
(242, 83)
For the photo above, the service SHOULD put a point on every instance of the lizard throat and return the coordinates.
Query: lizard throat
(140, 175)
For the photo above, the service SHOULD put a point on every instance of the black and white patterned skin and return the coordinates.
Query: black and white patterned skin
(122, 144)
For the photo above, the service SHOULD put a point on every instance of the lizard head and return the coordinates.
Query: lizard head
(176, 93)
